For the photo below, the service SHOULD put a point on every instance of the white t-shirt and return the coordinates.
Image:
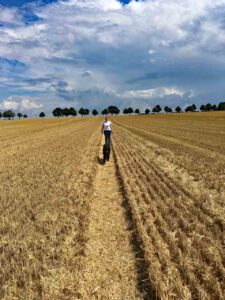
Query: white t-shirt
(107, 125)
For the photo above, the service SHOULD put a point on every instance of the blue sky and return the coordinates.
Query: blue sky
(95, 53)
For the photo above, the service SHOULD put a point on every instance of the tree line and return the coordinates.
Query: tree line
(114, 110)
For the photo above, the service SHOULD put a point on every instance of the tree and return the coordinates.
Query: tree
(82, 111)
(130, 110)
(157, 109)
(0, 115)
(221, 106)
(202, 107)
(94, 112)
(194, 107)
(168, 109)
(72, 112)
(113, 110)
(42, 115)
(57, 112)
(214, 107)
(137, 111)
(86, 112)
(125, 112)
(66, 112)
(147, 111)
(208, 106)
(25, 116)
(19, 115)
(189, 108)
(105, 111)
(9, 114)
(178, 109)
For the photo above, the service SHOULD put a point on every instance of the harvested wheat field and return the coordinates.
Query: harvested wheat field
(147, 225)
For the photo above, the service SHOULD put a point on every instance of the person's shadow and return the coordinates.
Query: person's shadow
(100, 161)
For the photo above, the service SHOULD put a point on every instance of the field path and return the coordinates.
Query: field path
(111, 270)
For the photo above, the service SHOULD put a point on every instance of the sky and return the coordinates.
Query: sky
(96, 53)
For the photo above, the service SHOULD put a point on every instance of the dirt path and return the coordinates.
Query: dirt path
(112, 271)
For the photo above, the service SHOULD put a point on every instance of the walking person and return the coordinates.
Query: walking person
(107, 130)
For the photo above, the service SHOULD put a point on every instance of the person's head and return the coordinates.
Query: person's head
(106, 119)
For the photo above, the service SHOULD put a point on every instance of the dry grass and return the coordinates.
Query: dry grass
(172, 168)
(46, 177)
(172, 186)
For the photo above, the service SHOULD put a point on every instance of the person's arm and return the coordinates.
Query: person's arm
(102, 129)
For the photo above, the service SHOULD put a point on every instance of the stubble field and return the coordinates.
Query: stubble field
(147, 225)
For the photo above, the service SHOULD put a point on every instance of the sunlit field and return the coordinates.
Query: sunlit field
(149, 224)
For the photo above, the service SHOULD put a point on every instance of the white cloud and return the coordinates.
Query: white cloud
(9, 104)
(116, 43)
(18, 103)
(28, 104)
(153, 93)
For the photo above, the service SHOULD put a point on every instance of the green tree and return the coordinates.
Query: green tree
(42, 115)
(9, 114)
(137, 111)
(25, 116)
(178, 109)
(125, 111)
(0, 115)
(157, 109)
(86, 111)
(214, 107)
(19, 115)
(105, 111)
(208, 106)
(66, 112)
(72, 112)
(81, 111)
(147, 111)
(189, 108)
(94, 112)
(57, 112)
(221, 106)
(113, 110)
(130, 110)
(202, 107)
(194, 107)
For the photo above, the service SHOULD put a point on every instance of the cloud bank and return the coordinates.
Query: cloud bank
(95, 53)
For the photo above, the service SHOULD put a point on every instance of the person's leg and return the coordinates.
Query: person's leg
(105, 133)
(108, 133)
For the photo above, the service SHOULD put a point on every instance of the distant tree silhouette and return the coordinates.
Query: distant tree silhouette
(105, 111)
(194, 107)
(19, 115)
(147, 111)
(82, 111)
(86, 112)
(189, 108)
(208, 106)
(113, 110)
(130, 110)
(94, 112)
(9, 114)
(42, 115)
(72, 112)
(57, 112)
(168, 109)
(25, 116)
(125, 111)
(66, 111)
(202, 107)
(137, 111)
(178, 109)
(214, 107)
(0, 115)
(157, 109)
(221, 106)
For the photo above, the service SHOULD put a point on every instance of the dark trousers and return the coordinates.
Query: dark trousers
(107, 134)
